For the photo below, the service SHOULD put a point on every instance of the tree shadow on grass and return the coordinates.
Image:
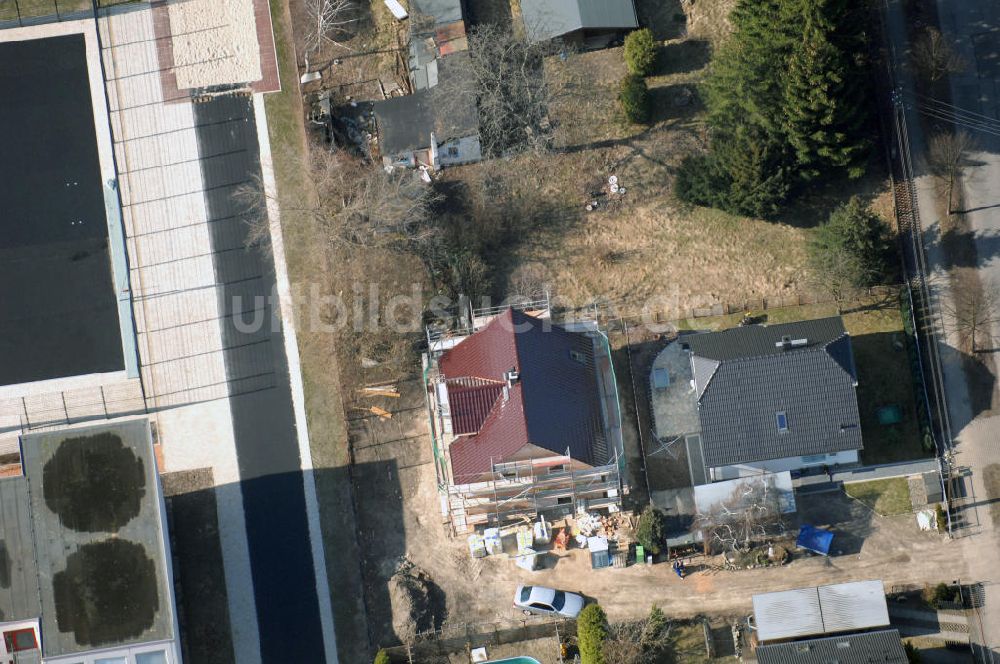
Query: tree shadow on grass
(671, 102)
(682, 57)
(814, 203)
(665, 18)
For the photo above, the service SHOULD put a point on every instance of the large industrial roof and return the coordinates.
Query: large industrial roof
(820, 610)
(94, 502)
(19, 598)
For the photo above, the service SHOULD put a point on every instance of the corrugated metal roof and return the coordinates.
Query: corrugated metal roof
(19, 598)
(546, 19)
(852, 606)
(744, 378)
(787, 614)
(883, 646)
(554, 404)
(821, 610)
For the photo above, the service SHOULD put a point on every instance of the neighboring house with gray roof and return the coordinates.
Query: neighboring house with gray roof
(884, 647)
(775, 398)
(577, 20)
(420, 129)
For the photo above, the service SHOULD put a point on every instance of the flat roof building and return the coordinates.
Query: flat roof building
(85, 548)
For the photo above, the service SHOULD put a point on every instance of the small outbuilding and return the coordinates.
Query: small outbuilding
(577, 20)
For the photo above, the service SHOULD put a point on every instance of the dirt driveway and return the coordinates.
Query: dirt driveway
(400, 519)
(865, 546)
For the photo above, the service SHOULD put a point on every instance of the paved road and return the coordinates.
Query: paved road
(972, 25)
(274, 502)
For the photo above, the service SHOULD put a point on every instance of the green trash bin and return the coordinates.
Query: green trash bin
(640, 554)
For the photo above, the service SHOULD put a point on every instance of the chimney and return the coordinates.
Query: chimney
(785, 343)
(511, 376)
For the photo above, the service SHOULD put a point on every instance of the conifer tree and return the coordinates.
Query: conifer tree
(824, 115)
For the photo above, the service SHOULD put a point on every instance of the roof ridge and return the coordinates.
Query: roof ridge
(492, 381)
(833, 359)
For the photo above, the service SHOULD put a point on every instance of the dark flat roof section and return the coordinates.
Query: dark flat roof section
(58, 310)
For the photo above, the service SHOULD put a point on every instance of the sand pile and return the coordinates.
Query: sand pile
(415, 607)
(215, 42)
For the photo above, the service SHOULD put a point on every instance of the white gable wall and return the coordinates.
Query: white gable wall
(781, 465)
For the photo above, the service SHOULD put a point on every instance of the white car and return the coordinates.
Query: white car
(547, 601)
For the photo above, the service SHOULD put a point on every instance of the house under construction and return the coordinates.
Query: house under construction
(525, 418)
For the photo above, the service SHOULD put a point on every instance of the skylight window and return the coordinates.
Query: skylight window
(782, 421)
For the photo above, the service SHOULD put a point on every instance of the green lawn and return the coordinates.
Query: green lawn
(884, 379)
(886, 497)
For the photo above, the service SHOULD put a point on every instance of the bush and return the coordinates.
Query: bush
(652, 530)
(942, 519)
(940, 594)
(382, 657)
(640, 52)
(853, 249)
(591, 632)
(634, 98)
(912, 654)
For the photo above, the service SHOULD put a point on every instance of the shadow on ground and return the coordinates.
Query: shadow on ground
(849, 520)
(682, 57)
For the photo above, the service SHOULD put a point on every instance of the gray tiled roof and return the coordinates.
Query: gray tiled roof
(746, 376)
(883, 646)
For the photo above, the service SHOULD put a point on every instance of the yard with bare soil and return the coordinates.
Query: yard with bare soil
(380, 506)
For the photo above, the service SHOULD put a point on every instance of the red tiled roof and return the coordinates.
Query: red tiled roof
(554, 404)
(471, 400)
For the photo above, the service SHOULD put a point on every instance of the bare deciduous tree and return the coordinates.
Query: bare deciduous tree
(751, 513)
(529, 281)
(328, 17)
(972, 310)
(505, 80)
(644, 641)
(356, 204)
(935, 56)
(947, 155)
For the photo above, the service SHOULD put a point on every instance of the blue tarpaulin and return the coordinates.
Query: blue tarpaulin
(815, 540)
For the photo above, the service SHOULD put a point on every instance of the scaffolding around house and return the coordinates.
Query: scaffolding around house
(516, 492)
(519, 492)
(442, 336)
